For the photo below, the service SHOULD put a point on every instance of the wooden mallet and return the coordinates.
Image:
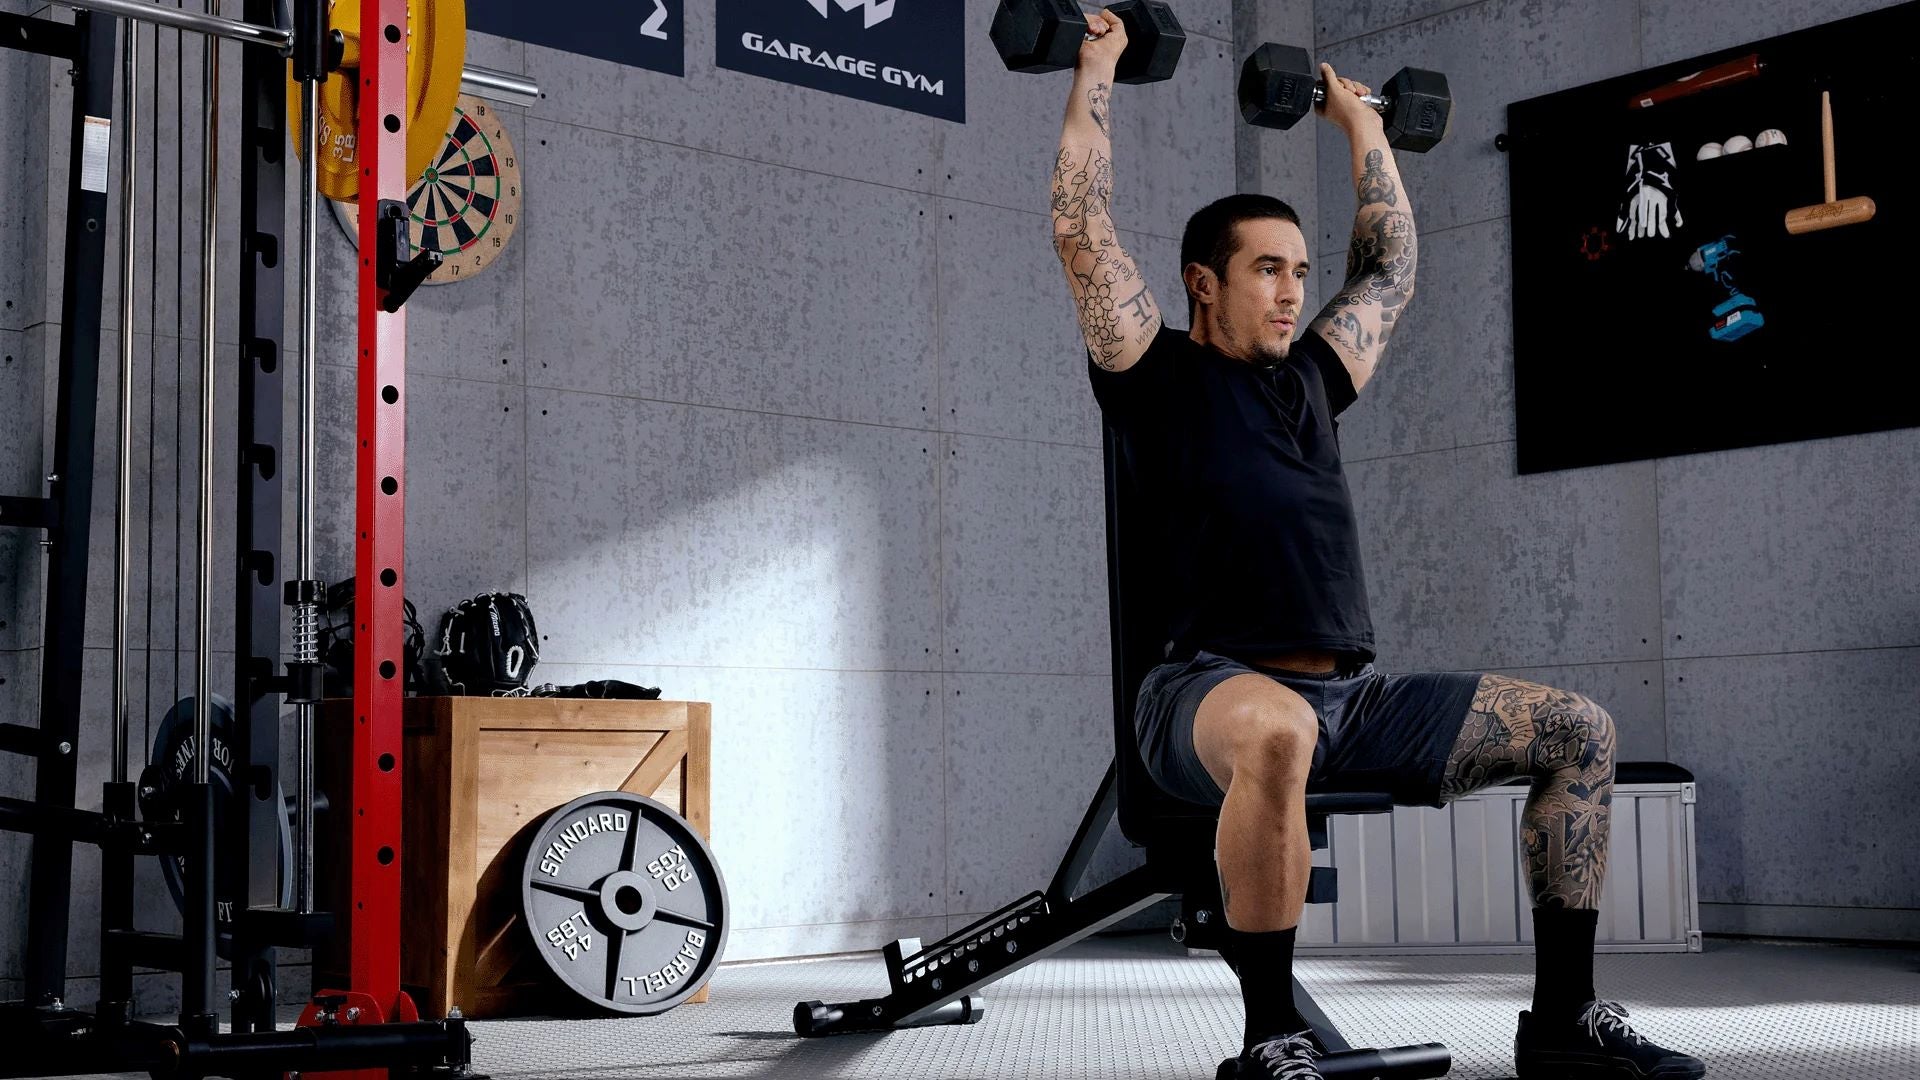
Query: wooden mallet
(1830, 214)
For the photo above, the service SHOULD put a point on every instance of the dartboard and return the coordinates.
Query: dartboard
(467, 202)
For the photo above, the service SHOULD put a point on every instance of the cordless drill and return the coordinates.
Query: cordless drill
(1737, 315)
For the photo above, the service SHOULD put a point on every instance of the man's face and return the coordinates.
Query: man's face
(1258, 305)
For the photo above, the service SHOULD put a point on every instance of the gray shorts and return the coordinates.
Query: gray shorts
(1378, 732)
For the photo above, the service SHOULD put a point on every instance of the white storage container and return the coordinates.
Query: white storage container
(1452, 879)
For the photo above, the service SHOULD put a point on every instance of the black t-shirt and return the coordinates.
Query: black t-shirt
(1240, 466)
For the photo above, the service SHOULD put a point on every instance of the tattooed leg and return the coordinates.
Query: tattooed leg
(1564, 742)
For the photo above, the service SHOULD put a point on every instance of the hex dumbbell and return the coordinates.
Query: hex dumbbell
(1279, 85)
(1045, 35)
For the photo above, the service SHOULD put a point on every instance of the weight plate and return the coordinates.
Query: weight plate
(624, 902)
(436, 57)
(167, 776)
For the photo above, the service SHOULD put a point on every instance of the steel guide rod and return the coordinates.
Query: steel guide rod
(123, 486)
(303, 731)
(209, 258)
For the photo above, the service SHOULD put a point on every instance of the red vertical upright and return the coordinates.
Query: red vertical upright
(379, 662)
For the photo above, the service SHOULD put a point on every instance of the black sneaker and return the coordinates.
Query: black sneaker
(1289, 1057)
(1597, 1046)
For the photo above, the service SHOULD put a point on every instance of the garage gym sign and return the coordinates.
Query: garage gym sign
(906, 54)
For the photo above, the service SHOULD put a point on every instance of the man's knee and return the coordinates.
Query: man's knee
(1581, 736)
(1279, 743)
(1596, 724)
(1260, 732)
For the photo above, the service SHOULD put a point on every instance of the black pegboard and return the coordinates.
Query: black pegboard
(1614, 359)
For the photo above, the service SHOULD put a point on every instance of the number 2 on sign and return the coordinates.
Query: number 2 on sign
(572, 936)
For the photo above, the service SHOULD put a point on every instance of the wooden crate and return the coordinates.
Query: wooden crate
(476, 771)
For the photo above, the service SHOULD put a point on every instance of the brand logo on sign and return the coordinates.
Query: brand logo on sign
(843, 63)
(877, 11)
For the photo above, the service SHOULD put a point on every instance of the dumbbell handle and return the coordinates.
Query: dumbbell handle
(1372, 101)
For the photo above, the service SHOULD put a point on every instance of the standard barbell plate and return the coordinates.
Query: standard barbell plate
(436, 39)
(624, 902)
(168, 773)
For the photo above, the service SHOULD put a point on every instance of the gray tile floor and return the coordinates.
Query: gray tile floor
(1139, 1007)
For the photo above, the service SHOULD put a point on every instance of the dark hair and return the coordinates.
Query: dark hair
(1212, 239)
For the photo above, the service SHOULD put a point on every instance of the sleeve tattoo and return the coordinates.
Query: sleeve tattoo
(1115, 306)
(1098, 100)
(1380, 265)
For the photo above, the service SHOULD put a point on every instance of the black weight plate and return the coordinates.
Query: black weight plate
(623, 900)
(169, 773)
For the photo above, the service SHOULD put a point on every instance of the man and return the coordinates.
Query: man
(1269, 687)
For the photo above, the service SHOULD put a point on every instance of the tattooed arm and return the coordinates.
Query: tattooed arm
(1381, 258)
(1118, 316)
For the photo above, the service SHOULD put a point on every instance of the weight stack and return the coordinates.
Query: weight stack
(479, 774)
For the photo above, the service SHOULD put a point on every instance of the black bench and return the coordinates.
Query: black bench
(940, 983)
